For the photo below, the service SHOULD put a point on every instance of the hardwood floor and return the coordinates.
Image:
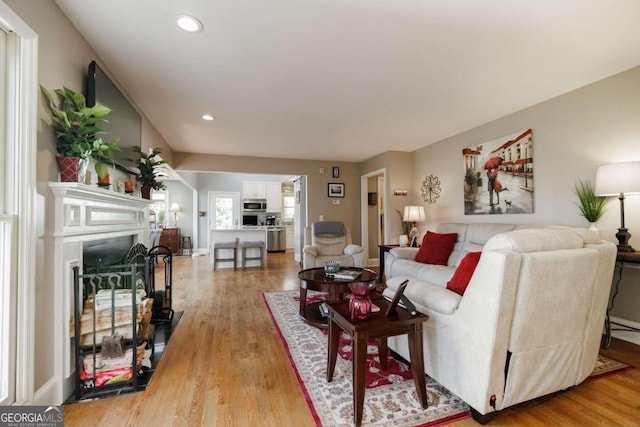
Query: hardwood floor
(225, 366)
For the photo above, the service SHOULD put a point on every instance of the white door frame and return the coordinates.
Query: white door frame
(236, 211)
(364, 202)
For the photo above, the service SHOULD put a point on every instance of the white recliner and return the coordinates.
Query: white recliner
(329, 241)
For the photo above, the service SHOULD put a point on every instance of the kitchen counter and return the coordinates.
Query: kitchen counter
(238, 234)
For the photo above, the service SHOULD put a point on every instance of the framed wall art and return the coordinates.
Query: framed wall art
(335, 172)
(335, 189)
(498, 175)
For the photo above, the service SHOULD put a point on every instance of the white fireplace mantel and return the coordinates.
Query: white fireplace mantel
(83, 213)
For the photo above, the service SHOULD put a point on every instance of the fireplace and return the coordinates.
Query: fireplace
(105, 252)
(88, 222)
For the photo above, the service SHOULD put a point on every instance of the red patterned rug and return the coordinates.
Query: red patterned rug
(390, 398)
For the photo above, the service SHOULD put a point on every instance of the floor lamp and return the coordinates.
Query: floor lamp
(619, 179)
(413, 214)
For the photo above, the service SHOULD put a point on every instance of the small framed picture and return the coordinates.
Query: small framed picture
(336, 189)
(335, 172)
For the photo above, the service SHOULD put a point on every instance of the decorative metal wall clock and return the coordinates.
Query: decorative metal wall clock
(430, 189)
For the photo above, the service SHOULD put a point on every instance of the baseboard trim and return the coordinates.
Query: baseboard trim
(46, 395)
(629, 336)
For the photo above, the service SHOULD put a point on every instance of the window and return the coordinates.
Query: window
(224, 213)
(224, 210)
(158, 209)
(18, 152)
(289, 207)
(7, 319)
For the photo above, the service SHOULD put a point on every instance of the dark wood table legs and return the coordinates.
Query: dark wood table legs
(378, 328)
(417, 363)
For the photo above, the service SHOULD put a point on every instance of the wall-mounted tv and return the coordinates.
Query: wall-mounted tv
(124, 122)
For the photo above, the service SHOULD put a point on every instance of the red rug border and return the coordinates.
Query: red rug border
(305, 393)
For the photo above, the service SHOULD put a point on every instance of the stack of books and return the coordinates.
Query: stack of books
(346, 274)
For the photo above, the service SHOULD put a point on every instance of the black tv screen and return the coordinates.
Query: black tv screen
(124, 122)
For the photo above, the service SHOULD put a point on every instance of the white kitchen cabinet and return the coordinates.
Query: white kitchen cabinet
(254, 190)
(291, 238)
(274, 196)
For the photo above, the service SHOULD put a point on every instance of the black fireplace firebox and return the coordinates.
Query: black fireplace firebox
(98, 254)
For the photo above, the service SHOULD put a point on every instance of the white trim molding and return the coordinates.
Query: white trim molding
(364, 215)
(632, 336)
(21, 154)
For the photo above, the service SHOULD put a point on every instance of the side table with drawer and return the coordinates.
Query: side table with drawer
(170, 238)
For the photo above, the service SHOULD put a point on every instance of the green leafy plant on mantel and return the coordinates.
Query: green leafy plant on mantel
(147, 164)
(102, 153)
(591, 206)
(76, 128)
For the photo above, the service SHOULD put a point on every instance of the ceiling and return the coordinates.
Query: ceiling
(345, 80)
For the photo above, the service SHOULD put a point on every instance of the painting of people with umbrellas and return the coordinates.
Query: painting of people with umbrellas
(507, 164)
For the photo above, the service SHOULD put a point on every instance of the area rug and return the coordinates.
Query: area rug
(390, 397)
(605, 366)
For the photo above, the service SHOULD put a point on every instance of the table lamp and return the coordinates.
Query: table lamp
(619, 179)
(413, 214)
(175, 208)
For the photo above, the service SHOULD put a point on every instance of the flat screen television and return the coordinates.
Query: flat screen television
(124, 122)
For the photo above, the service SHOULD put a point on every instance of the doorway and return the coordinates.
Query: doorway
(300, 215)
(223, 211)
(374, 207)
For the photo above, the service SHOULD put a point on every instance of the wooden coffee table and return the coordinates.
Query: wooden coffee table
(315, 279)
(378, 327)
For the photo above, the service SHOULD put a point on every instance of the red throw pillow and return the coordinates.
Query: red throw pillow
(463, 273)
(436, 248)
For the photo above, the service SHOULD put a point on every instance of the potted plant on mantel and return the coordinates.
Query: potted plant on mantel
(148, 176)
(76, 128)
(591, 206)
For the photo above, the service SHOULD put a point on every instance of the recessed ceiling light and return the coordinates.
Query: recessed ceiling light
(208, 117)
(189, 23)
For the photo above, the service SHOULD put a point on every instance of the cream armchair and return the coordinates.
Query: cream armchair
(330, 240)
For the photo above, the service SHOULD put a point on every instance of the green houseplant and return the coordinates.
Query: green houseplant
(148, 176)
(591, 206)
(76, 129)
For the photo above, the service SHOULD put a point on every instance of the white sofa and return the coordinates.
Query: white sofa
(530, 321)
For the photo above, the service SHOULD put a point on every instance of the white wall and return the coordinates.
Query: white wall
(573, 135)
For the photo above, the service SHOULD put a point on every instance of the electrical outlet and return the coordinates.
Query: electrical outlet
(336, 202)
(321, 170)
(321, 217)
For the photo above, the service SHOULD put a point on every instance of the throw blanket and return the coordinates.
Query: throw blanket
(328, 228)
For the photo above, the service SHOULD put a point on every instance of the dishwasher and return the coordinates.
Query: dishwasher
(276, 239)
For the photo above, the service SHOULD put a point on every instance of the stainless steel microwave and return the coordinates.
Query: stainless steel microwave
(254, 205)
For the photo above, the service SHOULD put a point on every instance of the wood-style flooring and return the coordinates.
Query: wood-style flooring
(225, 366)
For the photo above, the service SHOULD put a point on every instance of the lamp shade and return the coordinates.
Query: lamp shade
(617, 178)
(414, 214)
(175, 207)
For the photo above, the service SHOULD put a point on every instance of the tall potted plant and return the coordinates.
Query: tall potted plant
(591, 206)
(148, 176)
(76, 128)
